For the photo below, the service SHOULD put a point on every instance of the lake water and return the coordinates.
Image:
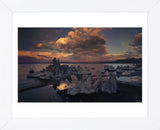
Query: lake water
(48, 93)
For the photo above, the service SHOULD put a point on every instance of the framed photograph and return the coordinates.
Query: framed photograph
(96, 65)
(79, 68)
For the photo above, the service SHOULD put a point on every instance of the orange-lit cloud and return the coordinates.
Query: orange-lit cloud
(83, 41)
(47, 46)
(63, 41)
(42, 46)
(72, 34)
(51, 42)
(39, 45)
(34, 54)
(138, 36)
(43, 55)
(91, 31)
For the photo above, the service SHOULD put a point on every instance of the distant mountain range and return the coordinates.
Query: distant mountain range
(130, 60)
(31, 60)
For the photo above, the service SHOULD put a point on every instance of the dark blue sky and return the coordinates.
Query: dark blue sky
(29, 36)
(118, 38)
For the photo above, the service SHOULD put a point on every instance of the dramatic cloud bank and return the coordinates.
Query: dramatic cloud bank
(83, 44)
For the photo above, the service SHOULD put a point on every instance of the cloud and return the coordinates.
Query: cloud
(47, 46)
(42, 46)
(138, 39)
(128, 54)
(131, 54)
(43, 55)
(36, 55)
(93, 46)
(137, 43)
(63, 41)
(50, 42)
(82, 42)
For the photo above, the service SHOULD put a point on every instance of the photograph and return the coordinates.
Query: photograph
(80, 64)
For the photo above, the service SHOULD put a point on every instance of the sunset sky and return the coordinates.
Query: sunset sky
(79, 44)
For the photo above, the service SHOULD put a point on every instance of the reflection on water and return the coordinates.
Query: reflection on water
(63, 86)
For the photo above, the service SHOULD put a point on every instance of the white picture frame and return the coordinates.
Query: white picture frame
(7, 121)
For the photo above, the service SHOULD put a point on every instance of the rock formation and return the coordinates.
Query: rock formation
(86, 83)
